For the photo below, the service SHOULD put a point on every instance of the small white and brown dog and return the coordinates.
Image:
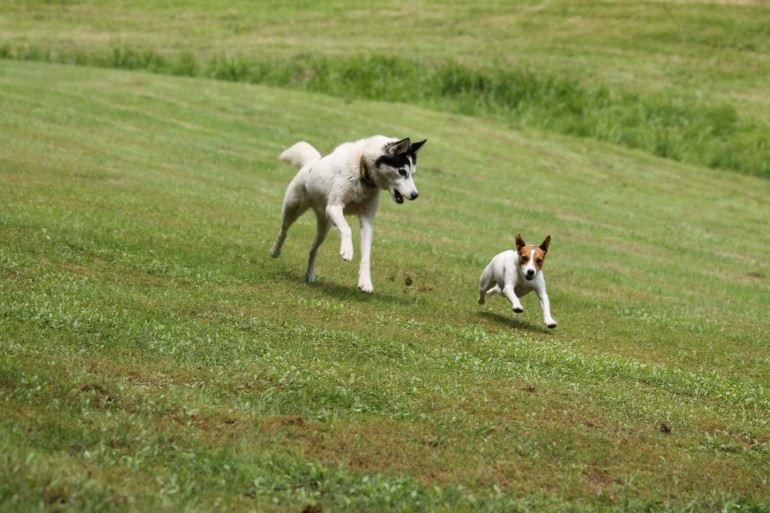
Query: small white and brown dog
(514, 274)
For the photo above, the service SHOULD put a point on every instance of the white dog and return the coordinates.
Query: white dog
(347, 181)
(514, 274)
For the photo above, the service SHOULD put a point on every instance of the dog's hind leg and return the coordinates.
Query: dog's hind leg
(491, 292)
(294, 205)
(485, 284)
(364, 271)
(322, 229)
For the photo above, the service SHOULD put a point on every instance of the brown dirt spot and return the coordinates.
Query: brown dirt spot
(278, 423)
(56, 495)
(100, 392)
(598, 478)
(312, 508)
(292, 421)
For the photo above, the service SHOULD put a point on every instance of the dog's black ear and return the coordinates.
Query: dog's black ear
(519, 242)
(416, 146)
(546, 242)
(397, 148)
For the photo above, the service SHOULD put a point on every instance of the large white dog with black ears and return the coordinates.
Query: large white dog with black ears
(347, 181)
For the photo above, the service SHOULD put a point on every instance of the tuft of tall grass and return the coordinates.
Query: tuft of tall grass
(671, 126)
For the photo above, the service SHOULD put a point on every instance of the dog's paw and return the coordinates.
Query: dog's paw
(481, 300)
(309, 277)
(275, 252)
(346, 252)
(552, 324)
(518, 309)
(366, 287)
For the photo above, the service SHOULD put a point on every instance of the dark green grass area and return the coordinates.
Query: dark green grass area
(665, 123)
(153, 357)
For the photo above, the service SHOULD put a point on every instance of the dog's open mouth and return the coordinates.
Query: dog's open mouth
(397, 196)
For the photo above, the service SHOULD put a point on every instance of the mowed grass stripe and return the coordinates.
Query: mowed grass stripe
(201, 335)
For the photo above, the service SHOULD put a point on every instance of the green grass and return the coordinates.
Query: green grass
(686, 82)
(154, 357)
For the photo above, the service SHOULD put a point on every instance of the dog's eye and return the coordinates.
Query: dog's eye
(539, 261)
(402, 172)
(524, 259)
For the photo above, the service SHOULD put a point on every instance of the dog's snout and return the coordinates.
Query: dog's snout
(414, 195)
(530, 272)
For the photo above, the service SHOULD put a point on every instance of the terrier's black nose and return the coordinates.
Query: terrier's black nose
(414, 195)
(530, 272)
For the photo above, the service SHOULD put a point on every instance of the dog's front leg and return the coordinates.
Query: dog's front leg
(511, 295)
(336, 215)
(546, 306)
(364, 273)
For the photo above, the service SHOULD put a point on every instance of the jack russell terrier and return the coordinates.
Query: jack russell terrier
(514, 274)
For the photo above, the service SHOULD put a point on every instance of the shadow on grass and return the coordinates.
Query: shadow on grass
(351, 293)
(337, 291)
(511, 321)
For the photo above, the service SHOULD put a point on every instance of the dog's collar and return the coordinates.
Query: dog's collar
(364, 172)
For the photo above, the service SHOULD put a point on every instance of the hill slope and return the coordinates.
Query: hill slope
(155, 357)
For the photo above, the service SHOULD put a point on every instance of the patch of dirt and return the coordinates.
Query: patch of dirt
(101, 392)
(57, 495)
(598, 479)
(292, 421)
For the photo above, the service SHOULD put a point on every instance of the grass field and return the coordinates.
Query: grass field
(155, 358)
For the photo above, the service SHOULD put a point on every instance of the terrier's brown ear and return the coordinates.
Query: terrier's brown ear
(546, 242)
(519, 242)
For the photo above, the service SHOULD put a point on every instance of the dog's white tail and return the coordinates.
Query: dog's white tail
(300, 154)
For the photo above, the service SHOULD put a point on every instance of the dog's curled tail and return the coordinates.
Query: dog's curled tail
(300, 154)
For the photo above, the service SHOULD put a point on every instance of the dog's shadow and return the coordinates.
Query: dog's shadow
(510, 321)
(339, 291)
(348, 292)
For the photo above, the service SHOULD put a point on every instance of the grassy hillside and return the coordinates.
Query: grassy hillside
(681, 80)
(155, 358)
(716, 47)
